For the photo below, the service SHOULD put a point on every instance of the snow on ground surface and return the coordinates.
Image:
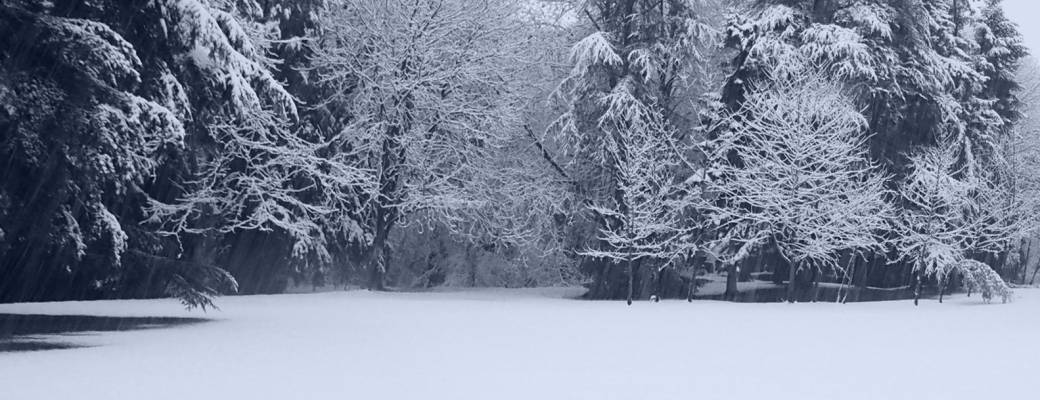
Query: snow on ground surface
(535, 344)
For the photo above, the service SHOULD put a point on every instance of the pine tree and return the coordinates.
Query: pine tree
(131, 113)
(925, 72)
(626, 127)
(80, 140)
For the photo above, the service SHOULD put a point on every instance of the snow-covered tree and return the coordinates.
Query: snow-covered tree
(920, 69)
(254, 168)
(427, 94)
(949, 217)
(793, 172)
(848, 40)
(935, 218)
(657, 196)
(921, 72)
(628, 120)
(78, 138)
(158, 146)
(135, 98)
(263, 177)
(519, 207)
(1022, 152)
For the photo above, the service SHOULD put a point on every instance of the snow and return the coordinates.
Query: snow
(538, 344)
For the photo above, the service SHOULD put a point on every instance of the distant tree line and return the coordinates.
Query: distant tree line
(189, 148)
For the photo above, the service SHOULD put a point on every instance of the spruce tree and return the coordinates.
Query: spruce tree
(626, 102)
(110, 107)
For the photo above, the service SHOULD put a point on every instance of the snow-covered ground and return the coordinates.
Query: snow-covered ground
(538, 344)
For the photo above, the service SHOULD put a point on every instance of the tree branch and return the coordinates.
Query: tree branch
(548, 157)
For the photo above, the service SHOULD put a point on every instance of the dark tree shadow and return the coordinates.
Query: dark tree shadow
(824, 294)
(35, 332)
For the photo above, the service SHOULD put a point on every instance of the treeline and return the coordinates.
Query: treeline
(189, 148)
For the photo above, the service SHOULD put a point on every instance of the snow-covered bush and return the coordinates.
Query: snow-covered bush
(980, 278)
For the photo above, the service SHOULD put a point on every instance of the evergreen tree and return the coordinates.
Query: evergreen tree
(122, 113)
(926, 73)
(626, 116)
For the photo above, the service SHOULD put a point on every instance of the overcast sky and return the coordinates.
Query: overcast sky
(1027, 14)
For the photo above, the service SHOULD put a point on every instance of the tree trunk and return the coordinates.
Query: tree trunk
(376, 269)
(791, 277)
(864, 275)
(693, 284)
(859, 278)
(472, 266)
(602, 287)
(917, 286)
(778, 276)
(731, 282)
(631, 280)
(657, 282)
(385, 214)
(1025, 248)
(646, 281)
(815, 284)
(375, 259)
(1001, 262)
(942, 288)
(778, 261)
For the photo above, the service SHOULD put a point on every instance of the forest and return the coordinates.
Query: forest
(832, 149)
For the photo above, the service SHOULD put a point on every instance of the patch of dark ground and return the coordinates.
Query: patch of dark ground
(37, 332)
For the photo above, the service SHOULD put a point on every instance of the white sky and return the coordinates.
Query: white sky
(1027, 14)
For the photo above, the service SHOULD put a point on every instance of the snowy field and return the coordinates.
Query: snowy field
(535, 344)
